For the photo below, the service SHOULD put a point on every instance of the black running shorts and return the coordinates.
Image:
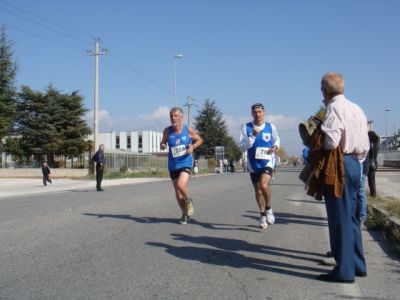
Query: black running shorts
(255, 176)
(175, 174)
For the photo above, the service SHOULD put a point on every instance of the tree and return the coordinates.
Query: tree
(212, 128)
(34, 123)
(13, 147)
(8, 93)
(51, 123)
(69, 122)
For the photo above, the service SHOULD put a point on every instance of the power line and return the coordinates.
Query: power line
(117, 56)
(127, 64)
(44, 25)
(42, 37)
(132, 80)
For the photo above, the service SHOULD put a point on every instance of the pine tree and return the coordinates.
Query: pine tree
(52, 123)
(212, 128)
(68, 119)
(8, 93)
(34, 123)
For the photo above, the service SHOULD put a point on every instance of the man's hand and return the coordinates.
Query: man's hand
(273, 149)
(255, 131)
(163, 146)
(189, 150)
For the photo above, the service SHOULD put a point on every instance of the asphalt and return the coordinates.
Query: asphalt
(387, 182)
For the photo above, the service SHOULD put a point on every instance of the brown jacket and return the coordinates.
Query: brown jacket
(327, 168)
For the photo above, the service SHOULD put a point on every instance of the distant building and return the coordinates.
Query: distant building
(132, 141)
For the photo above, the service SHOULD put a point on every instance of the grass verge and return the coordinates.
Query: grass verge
(384, 216)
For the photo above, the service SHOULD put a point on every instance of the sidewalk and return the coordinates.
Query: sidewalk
(387, 182)
(27, 186)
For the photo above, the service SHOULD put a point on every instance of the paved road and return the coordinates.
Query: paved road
(126, 243)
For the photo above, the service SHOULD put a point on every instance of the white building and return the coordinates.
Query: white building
(132, 141)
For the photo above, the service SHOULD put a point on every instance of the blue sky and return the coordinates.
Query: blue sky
(235, 52)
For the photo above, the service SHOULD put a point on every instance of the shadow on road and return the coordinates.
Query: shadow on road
(152, 220)
(307, 201)
(225, 255)
(288, 218)
(229, 244)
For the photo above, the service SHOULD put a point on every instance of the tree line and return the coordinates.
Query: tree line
(35, 123)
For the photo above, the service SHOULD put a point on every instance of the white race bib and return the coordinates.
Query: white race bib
(262, 153)
(178, 151)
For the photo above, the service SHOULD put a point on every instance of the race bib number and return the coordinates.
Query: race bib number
(262, 153)
(178, 151)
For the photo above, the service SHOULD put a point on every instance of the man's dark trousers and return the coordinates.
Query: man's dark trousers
(371, 182)
(99, 176)
(344, 226)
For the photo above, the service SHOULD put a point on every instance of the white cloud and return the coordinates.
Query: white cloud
(156, 121)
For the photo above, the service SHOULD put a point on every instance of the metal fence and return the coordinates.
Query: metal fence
(389, 155)
(140, 162)
(136, 162)
(58, 161)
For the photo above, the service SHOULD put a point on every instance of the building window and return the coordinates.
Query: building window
(128, 142)
(117, 142)
(140, 144)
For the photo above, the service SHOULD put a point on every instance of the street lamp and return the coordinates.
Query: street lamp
(386, 139)
(177, 56)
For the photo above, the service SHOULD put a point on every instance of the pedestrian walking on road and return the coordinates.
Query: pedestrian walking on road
(100, 160)
(344, 125)
(46, 174)
(261, 140)
(182, 141)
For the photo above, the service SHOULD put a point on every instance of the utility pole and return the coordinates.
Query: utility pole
(96, 54)
(189, 104)
(386, 138)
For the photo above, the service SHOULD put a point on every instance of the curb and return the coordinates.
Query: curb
(390, 224)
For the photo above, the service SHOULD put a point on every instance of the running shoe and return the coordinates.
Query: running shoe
(263, 222)
(270, 217)
(184, 219)
(189, 207)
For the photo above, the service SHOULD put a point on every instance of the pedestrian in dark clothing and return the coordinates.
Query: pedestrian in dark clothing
(46, 174)
(99, 159)
(372, 161)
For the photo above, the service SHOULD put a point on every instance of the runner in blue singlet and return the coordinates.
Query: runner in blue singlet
(181, 141)
(260, 139)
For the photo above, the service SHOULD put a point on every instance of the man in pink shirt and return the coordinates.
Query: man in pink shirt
(345, 124)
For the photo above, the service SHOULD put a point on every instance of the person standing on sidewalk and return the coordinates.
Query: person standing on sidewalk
(100, 159)
(46, 174)
(261, 140)
(372, 161)
(182, 141)
(344, 125)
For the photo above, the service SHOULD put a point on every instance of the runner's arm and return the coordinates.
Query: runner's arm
(246, 142)
(196, 138)
(275, 138)
(163, 144)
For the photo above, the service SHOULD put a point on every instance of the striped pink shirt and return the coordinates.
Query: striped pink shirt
(346, 124)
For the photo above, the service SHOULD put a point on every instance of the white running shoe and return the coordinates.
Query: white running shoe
(270, 217)
(263, 222)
